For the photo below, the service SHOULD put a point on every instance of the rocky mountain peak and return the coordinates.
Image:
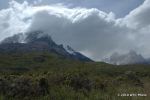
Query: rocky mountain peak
(39, 41)
(38, 36)
(129, 58)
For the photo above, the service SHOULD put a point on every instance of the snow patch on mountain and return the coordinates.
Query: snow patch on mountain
(70, 50)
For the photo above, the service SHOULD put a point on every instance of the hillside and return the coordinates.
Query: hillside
(38, 41)
(47, 76)
(36, 68)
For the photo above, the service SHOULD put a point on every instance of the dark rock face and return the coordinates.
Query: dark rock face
(38, 42)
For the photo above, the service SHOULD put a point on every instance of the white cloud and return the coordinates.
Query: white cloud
(83, 29)
(13, 20)
(90, 31)
(139, 21)
(139, 17)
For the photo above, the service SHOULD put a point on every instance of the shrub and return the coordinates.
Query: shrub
(43, 87)
(21, 87)
(3, 86)
(79, 81)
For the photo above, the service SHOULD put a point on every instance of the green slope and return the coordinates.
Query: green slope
(45, 76)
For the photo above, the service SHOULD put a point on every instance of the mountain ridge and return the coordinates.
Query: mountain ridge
(38, 41)
(125, 59)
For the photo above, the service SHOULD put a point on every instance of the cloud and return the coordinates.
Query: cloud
(95, 33)
(84, 29)
(119, 7)
(138, 20)
(139, 17)
(12, 20)
(123, 59)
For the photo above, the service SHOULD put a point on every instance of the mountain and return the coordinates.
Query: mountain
(38, 41)
(17, 38)
(123, 59)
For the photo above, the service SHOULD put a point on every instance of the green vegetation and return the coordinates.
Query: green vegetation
(44, 76)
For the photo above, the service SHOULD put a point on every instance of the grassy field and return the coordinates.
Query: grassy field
(44, 76)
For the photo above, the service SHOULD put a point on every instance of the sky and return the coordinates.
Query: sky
(96, 28)
(119, 7)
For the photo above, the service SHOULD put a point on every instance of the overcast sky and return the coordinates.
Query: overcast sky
(97, 28)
